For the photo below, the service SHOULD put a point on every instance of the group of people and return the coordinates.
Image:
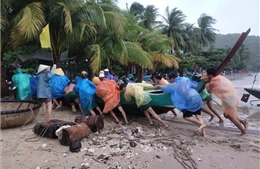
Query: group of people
(53, 87)
(190, 102)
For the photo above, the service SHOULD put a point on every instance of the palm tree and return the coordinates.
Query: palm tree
(20, 22)
(70, 22)
(157, 45)
(149, 16)
(206, 33)
(173, 26)
(137, 10)
(189, 37)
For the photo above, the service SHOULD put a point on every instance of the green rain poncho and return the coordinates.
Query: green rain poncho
(22, 82)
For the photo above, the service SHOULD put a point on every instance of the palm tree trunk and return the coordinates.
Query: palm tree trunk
(4, 88)
(56, 60)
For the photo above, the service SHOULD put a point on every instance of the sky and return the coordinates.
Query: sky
(232, 16)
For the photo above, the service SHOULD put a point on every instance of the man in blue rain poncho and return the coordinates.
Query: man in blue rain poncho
(43, 78)
(86, 91)
(22, 82)
(186, 99)
(58, 83)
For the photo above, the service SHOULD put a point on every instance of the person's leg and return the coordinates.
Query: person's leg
(152, 112)
(114, 116)
(99, 110)
(92, 112)
(193, 120)
(237, 123)
(55, 104)
(73, 107)
(187, 115)
(49, 110)
(146, 113)
(78, 102)
(44, 109)
(174, 112)
(244, 122)
(60, 102)
(203, 125)
(212, 116)
(120, 108)
(210, 105)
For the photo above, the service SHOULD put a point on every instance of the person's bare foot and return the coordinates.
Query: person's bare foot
(201, 127)
(243, 134)
(204, 133)
(165, 125)
(73, 109)
(198, 132)
(246, 125)
(211, 118)
(58, 108)
(221, 121)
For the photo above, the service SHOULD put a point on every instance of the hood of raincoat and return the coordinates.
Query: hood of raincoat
(18, 70)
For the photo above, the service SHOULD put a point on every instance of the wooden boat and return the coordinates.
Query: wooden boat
(255, 93)
(161, 103)
(17, 113)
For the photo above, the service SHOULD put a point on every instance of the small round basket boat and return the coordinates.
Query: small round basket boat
(17, 113)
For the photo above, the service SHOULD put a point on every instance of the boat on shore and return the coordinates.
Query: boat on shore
(255, 93)
(161, 103)
(18, 113)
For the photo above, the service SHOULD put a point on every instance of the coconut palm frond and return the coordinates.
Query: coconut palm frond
(167, 60)
(30, 21)
(4, 23)
(94, 52)
(137, 55)
(116, 23)
(67, 17)
(154, 41)
(83, 30)
(95, 14)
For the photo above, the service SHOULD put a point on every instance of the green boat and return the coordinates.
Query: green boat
(161, 103)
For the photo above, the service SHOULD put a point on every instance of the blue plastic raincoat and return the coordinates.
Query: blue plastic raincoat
(58, 84)
(44, 85)
(86, 91)
(183, 94)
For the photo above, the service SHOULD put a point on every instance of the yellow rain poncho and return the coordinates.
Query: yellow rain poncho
(136, 90)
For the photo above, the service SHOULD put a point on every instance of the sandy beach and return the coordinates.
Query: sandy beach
(151, 147)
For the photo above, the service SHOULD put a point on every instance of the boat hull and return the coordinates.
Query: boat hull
(161, 103)
(17, 113)
(253, 92)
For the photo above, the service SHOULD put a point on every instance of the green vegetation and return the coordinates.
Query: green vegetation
(251, 44)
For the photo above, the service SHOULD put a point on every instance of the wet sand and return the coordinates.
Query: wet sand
(176, 147)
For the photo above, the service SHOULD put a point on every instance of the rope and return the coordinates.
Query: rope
(32, 139)
(42, 132)
(32, 117)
